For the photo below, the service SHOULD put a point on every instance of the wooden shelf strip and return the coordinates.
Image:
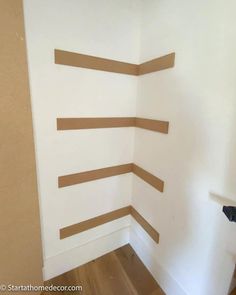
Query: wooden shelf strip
(145, 225)
(153, 125)
(72, 179)
(103, 64)
(96, 63)
(112, 122)
(92, 123)
(93, 222)
(81, 177)
(149, 178)
(108, 217)
(157, 64)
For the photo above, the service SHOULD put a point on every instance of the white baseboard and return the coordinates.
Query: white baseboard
(133, 234)
(68, 260)
(137, 240)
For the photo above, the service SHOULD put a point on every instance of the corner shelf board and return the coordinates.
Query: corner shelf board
(81, 177)
(108, 217)
(112, 122)
(103, 64)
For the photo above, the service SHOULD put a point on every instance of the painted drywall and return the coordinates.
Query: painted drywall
(107, 29)
(20, 243)
(197, 159)
(197, 250)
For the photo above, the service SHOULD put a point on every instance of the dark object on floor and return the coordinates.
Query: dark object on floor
(230, 212)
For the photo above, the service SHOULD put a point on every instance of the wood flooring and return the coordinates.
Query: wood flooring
(120, 272)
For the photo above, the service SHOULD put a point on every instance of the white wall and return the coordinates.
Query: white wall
(197, 244)
(197, 249)
(102, 28)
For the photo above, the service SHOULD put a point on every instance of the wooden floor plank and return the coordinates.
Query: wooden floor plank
(118, 272)
(136, 271)
(111, 278)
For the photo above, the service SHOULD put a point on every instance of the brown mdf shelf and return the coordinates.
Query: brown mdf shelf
(74, 59)
(108, 217)
(77, 178)
(94, 123)
(93, 222)
(91, 175)
(145, 225)
(112, 122)
(151, 179)
(157, 64)
(153, 125)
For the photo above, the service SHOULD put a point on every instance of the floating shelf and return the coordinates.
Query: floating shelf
(103, 64)
(108, 217)
(108, 65)
(112, 122)
(151, 179)
(76, 178)
(72, 179)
